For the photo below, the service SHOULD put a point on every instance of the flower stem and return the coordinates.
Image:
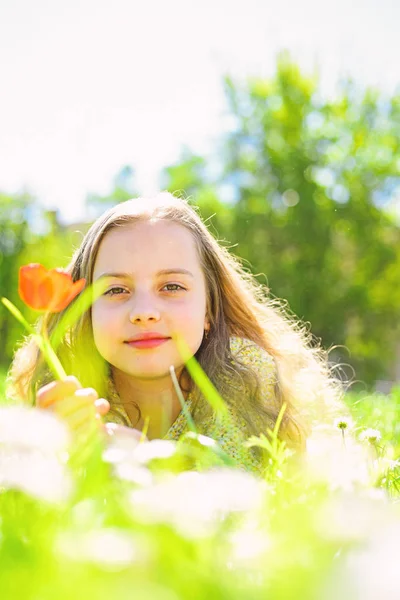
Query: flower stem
(51, 357)
(41, 339)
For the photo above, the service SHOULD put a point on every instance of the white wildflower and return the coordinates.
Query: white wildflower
(343, 423)
(33, 446)
(353, 516)
(34, 473)
(249, 543)
(32, 428)
(194, 502)
(111, 548)
(123, 447)
(372, 570)
(130, 459)
(373, 436)
(134, 473)
(144, 453)
(342, 467)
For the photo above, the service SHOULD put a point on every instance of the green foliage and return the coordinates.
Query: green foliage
(307, 195)
(14, 235)
(380, 412)
(28, 234)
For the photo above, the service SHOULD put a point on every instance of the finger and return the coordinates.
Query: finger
(82, 397)
(82, 418)
(87, 393)
(102, 406)
(67, 406)
(55, 390)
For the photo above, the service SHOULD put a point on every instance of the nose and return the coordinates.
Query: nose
(144, 310)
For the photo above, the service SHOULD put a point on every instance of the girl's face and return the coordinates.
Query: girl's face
(155, 285)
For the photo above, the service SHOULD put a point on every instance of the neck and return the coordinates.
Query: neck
(157, 400)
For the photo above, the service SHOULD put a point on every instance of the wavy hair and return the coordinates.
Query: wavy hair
(237, 305)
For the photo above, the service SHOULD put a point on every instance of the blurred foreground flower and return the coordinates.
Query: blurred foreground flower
(122, 447)
(110, 548)
(131, 458)
(341, 467)
(47, 290)
(34, 429)
(372, 570)
(249, 544)
(194, 503)
(352, 516)
(33, 449)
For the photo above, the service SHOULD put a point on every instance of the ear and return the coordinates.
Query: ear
(206, 324)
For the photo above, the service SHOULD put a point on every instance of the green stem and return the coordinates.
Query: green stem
(185, 410)
(51, 357)
(41, 340)
(201, 380)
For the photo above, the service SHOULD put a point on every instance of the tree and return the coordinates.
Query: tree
(14, 235)
(312, 181)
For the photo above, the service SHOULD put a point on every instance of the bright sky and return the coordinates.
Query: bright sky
(89, 86)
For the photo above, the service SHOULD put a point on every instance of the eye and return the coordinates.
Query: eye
(174, 287)
(115, 291)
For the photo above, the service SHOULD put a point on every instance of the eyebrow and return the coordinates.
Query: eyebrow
(162, 272)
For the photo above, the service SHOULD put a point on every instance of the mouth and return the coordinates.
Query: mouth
(147, 342)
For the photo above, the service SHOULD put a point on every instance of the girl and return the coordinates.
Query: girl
(165, 277)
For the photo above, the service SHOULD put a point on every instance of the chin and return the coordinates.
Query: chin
(150, 375)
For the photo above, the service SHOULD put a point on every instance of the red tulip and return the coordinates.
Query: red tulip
(47, 290)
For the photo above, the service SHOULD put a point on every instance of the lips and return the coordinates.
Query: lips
(147, 336)
(147, 340)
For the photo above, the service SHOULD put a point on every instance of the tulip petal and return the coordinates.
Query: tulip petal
(30, 278)
(44, 292)
(61, 282)
(74, 290)
(50, 290)
(63, 300)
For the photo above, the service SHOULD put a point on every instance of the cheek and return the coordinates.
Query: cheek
(192, 315)
(104, 324)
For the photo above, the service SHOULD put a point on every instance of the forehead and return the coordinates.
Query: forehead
(154, 245)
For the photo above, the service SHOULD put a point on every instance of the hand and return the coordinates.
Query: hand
(80, 407)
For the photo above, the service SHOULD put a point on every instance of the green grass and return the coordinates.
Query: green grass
(3, 373)
(153, 528)
(377, 411)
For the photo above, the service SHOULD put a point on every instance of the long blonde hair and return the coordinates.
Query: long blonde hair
(237, 305)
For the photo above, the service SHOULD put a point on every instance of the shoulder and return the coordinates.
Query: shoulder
(252, 355)
(261, 363)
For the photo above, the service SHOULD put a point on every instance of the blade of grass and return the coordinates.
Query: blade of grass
(18, 315)
(182, 401)
(145, 429)
(201, 380)
(44, 345)
(82, 303)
